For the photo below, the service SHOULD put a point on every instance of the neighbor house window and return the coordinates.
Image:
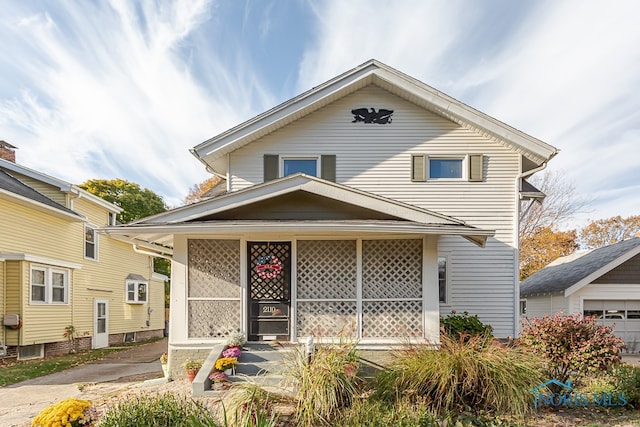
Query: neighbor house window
(112, 219)
(442, 278)
(90, 243)
(49, 285)
(136, 291)
(445, 168)
(293, 165)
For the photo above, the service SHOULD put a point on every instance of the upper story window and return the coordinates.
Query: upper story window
(306, 165)
(470, 168)
(137, 291)
(112, 219)
(90, 242)
(49, 285)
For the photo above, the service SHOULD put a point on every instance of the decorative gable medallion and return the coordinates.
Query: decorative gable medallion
(382, 116)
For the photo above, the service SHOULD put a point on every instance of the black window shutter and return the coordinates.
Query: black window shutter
(475, 167)
(271, 166)
(328, 167)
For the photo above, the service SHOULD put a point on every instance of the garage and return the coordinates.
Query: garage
(623, 315)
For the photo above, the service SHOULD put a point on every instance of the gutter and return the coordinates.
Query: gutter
(153, 254)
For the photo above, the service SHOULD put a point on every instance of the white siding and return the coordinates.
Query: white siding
(377, 158)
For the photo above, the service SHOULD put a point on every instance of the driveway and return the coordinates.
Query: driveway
(21, 402)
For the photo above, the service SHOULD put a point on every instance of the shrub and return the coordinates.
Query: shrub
(324, 385)
(571, 345)
(475, 373)
(462, 325)
(69, 412)
(627, 380)
(247, 404)
(158, 410)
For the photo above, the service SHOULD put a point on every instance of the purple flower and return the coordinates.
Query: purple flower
(231, 352)
(218, 377)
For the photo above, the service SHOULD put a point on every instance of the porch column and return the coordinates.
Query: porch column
(430, 293)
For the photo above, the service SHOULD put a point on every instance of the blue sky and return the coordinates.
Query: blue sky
(123, 89)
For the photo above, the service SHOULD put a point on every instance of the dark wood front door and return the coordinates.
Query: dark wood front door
(269, 290)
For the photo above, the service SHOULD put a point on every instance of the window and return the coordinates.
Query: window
(136, 292)
(49, 285)
(308, 166)
(442, 278)
(35, 351)
(112, 219)
(90, 243)
(445, 168)
(523, 307)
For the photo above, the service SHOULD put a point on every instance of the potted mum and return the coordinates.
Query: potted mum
(69, 412)
(192, 366)
(218, 380)
(236, 340)
(164, 359)
(226, 364)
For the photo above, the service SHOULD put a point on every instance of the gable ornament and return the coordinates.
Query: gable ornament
(370, 115)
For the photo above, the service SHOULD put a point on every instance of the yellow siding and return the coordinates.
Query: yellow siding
(96, 214)
(48, 190)
(13, 302)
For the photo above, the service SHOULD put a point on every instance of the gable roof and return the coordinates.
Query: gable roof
(15, 190)
(571, 273)
(212, 151)
(197, 217)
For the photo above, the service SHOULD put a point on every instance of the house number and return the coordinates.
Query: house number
(268, 309)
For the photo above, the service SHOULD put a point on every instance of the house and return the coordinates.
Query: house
(57, 273)
(603, 282)
(371, 204)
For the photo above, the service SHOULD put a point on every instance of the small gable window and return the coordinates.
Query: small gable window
(307, 166)
(137, 288)
(445, 168)
(425, 167)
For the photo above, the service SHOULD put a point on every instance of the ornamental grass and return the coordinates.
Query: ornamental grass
(475, 372)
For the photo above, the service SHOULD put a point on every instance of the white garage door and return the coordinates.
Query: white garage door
(623, 315)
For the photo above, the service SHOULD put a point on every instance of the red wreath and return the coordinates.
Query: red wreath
(268, 267)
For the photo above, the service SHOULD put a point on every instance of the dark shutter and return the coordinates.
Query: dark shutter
(271, 166)
(418, 167)
(328, 167)
(475, 167)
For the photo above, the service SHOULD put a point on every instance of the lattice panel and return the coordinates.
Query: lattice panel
(214, 319)
(326, 318)
(326, 269)
(276, 288)
(392, 319)
(391, 269)
(214, 268)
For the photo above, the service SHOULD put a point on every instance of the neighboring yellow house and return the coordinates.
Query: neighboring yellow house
(58, 272)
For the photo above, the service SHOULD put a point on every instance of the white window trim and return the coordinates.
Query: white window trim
(135, 283)
(48, 285)
(95, 242)
(282, 158)
(464, 172)
(447, 278)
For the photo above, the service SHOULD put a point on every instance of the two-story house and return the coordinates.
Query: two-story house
(58, 275)
(371, 204)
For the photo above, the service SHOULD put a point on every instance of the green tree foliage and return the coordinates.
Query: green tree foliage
(136, 202)
(608, 231)
(543, 247)
(571, 345)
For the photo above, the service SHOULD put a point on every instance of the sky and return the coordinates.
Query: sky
(110, 89)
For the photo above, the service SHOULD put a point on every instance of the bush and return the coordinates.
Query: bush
(474, 373)
(247, 404)
(324, 385)
(571, 345)
(627, 380)
(159, 410)
(463, 326)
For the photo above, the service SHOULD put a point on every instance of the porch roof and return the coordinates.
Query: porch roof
(163, 234)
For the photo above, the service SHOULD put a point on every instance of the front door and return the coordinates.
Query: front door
(269, 290)
(100, 323)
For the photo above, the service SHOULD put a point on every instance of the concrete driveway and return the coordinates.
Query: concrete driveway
(21, 402)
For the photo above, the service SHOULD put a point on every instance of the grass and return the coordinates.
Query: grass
(18, 371)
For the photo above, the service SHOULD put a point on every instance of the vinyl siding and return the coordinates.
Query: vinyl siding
(377, 158)
(48, 190)
(96, 215)
(13, 298)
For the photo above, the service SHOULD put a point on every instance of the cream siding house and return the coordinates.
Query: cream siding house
(56, 271)
(603, 282)
(371, 204)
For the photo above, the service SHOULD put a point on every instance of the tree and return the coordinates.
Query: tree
(136, 202)
(543, 247)
(207, 188)
(608, 231)
(540, 239)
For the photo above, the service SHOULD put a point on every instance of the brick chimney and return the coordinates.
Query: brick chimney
(7, 151)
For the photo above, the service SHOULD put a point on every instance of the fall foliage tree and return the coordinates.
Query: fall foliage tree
(205, 189)
(135, 202)
(543, 247)
(608, 231)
